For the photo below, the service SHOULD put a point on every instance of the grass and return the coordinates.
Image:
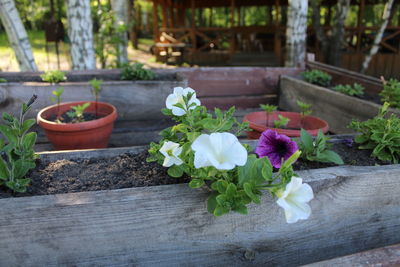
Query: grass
(48, 61)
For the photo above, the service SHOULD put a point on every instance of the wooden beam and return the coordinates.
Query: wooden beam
(164, 14)
(232, 46)
(156, 34)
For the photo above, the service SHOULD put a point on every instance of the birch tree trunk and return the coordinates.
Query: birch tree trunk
(120, 8)
(338, 32)
(80, 32)
(378, 38)
(17, 35)
(296, 33)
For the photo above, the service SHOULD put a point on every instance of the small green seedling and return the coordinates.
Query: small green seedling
(268, 110)
(53, 76)
(18, 156)
(57, 98)
(96, 90)
(318, 149)
(281, 122)
(77, 114)
(305, 109)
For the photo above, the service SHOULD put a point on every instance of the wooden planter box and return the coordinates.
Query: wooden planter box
(355, 209)
(336, 108)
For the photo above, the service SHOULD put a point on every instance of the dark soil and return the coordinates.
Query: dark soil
(67, 176)
(132, 170)
(64, 118)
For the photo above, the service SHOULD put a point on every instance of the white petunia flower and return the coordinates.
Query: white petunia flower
(177, 97)
(171, 151)
(221, 150)
(294, 200)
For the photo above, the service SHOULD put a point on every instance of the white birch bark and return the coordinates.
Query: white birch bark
(80, 32)
(17, 36)
(296, 33)
(378, 38)
(120, 9)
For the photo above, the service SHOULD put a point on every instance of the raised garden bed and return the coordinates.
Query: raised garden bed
(355, 209)
(336, 108)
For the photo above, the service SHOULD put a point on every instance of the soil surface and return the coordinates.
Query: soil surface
(132, 170)
(87, 116)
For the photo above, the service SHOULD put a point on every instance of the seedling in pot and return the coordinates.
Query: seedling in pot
(57, 98)
(268, 110)
(96, 90)
(305, 110)
(282, 122)
(317, 149)
(18, 156)
(77, 115)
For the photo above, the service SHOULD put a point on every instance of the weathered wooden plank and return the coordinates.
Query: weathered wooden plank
(336, 108)
(240, 102)
(355, 208)
(386, 256)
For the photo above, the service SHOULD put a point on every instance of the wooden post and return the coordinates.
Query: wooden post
(164, 14)
(360, 25)
(277, 35)
(192, 28)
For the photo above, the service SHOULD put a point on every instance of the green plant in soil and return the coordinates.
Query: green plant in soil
(318, 149)
(136, 71)
(268, 110)
(351, 90)
(96, 90)
(17, 156)
(57, 99)
(282, 122)
(380, 135)
(391, 92)
(305, 110)
(77, 113)
(317, 77)
(53, 76)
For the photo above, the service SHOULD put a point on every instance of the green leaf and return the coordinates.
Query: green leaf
(212, 202)
(266, 170)
(242, 209)
(330, 156)
(219, 211)
(249, 191)
(231, 190)
(9, 133)
(7, 117)
(306, 139)
(29, 140)
(175, 171)
(196, 183)
(21, 168)
(244, 171)
(221, 186)
(26, 125)
(4, 173)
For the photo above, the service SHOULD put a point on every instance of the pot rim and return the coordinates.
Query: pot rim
(80, 126)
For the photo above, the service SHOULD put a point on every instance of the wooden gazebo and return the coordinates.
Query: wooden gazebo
(180, 33)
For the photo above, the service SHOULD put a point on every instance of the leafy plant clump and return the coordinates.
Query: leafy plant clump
(2, 80)
(391, 93)
(53, 76)
(200, 146)
(317, 77)
(136, 71)
(318, 149)
(76, 115)
(380, 134)
(17, 156)
(351, 90)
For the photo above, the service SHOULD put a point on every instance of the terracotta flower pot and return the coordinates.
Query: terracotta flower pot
(258, 122)
(89, 134)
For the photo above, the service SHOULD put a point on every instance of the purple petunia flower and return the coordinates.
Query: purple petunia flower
(276, 147)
